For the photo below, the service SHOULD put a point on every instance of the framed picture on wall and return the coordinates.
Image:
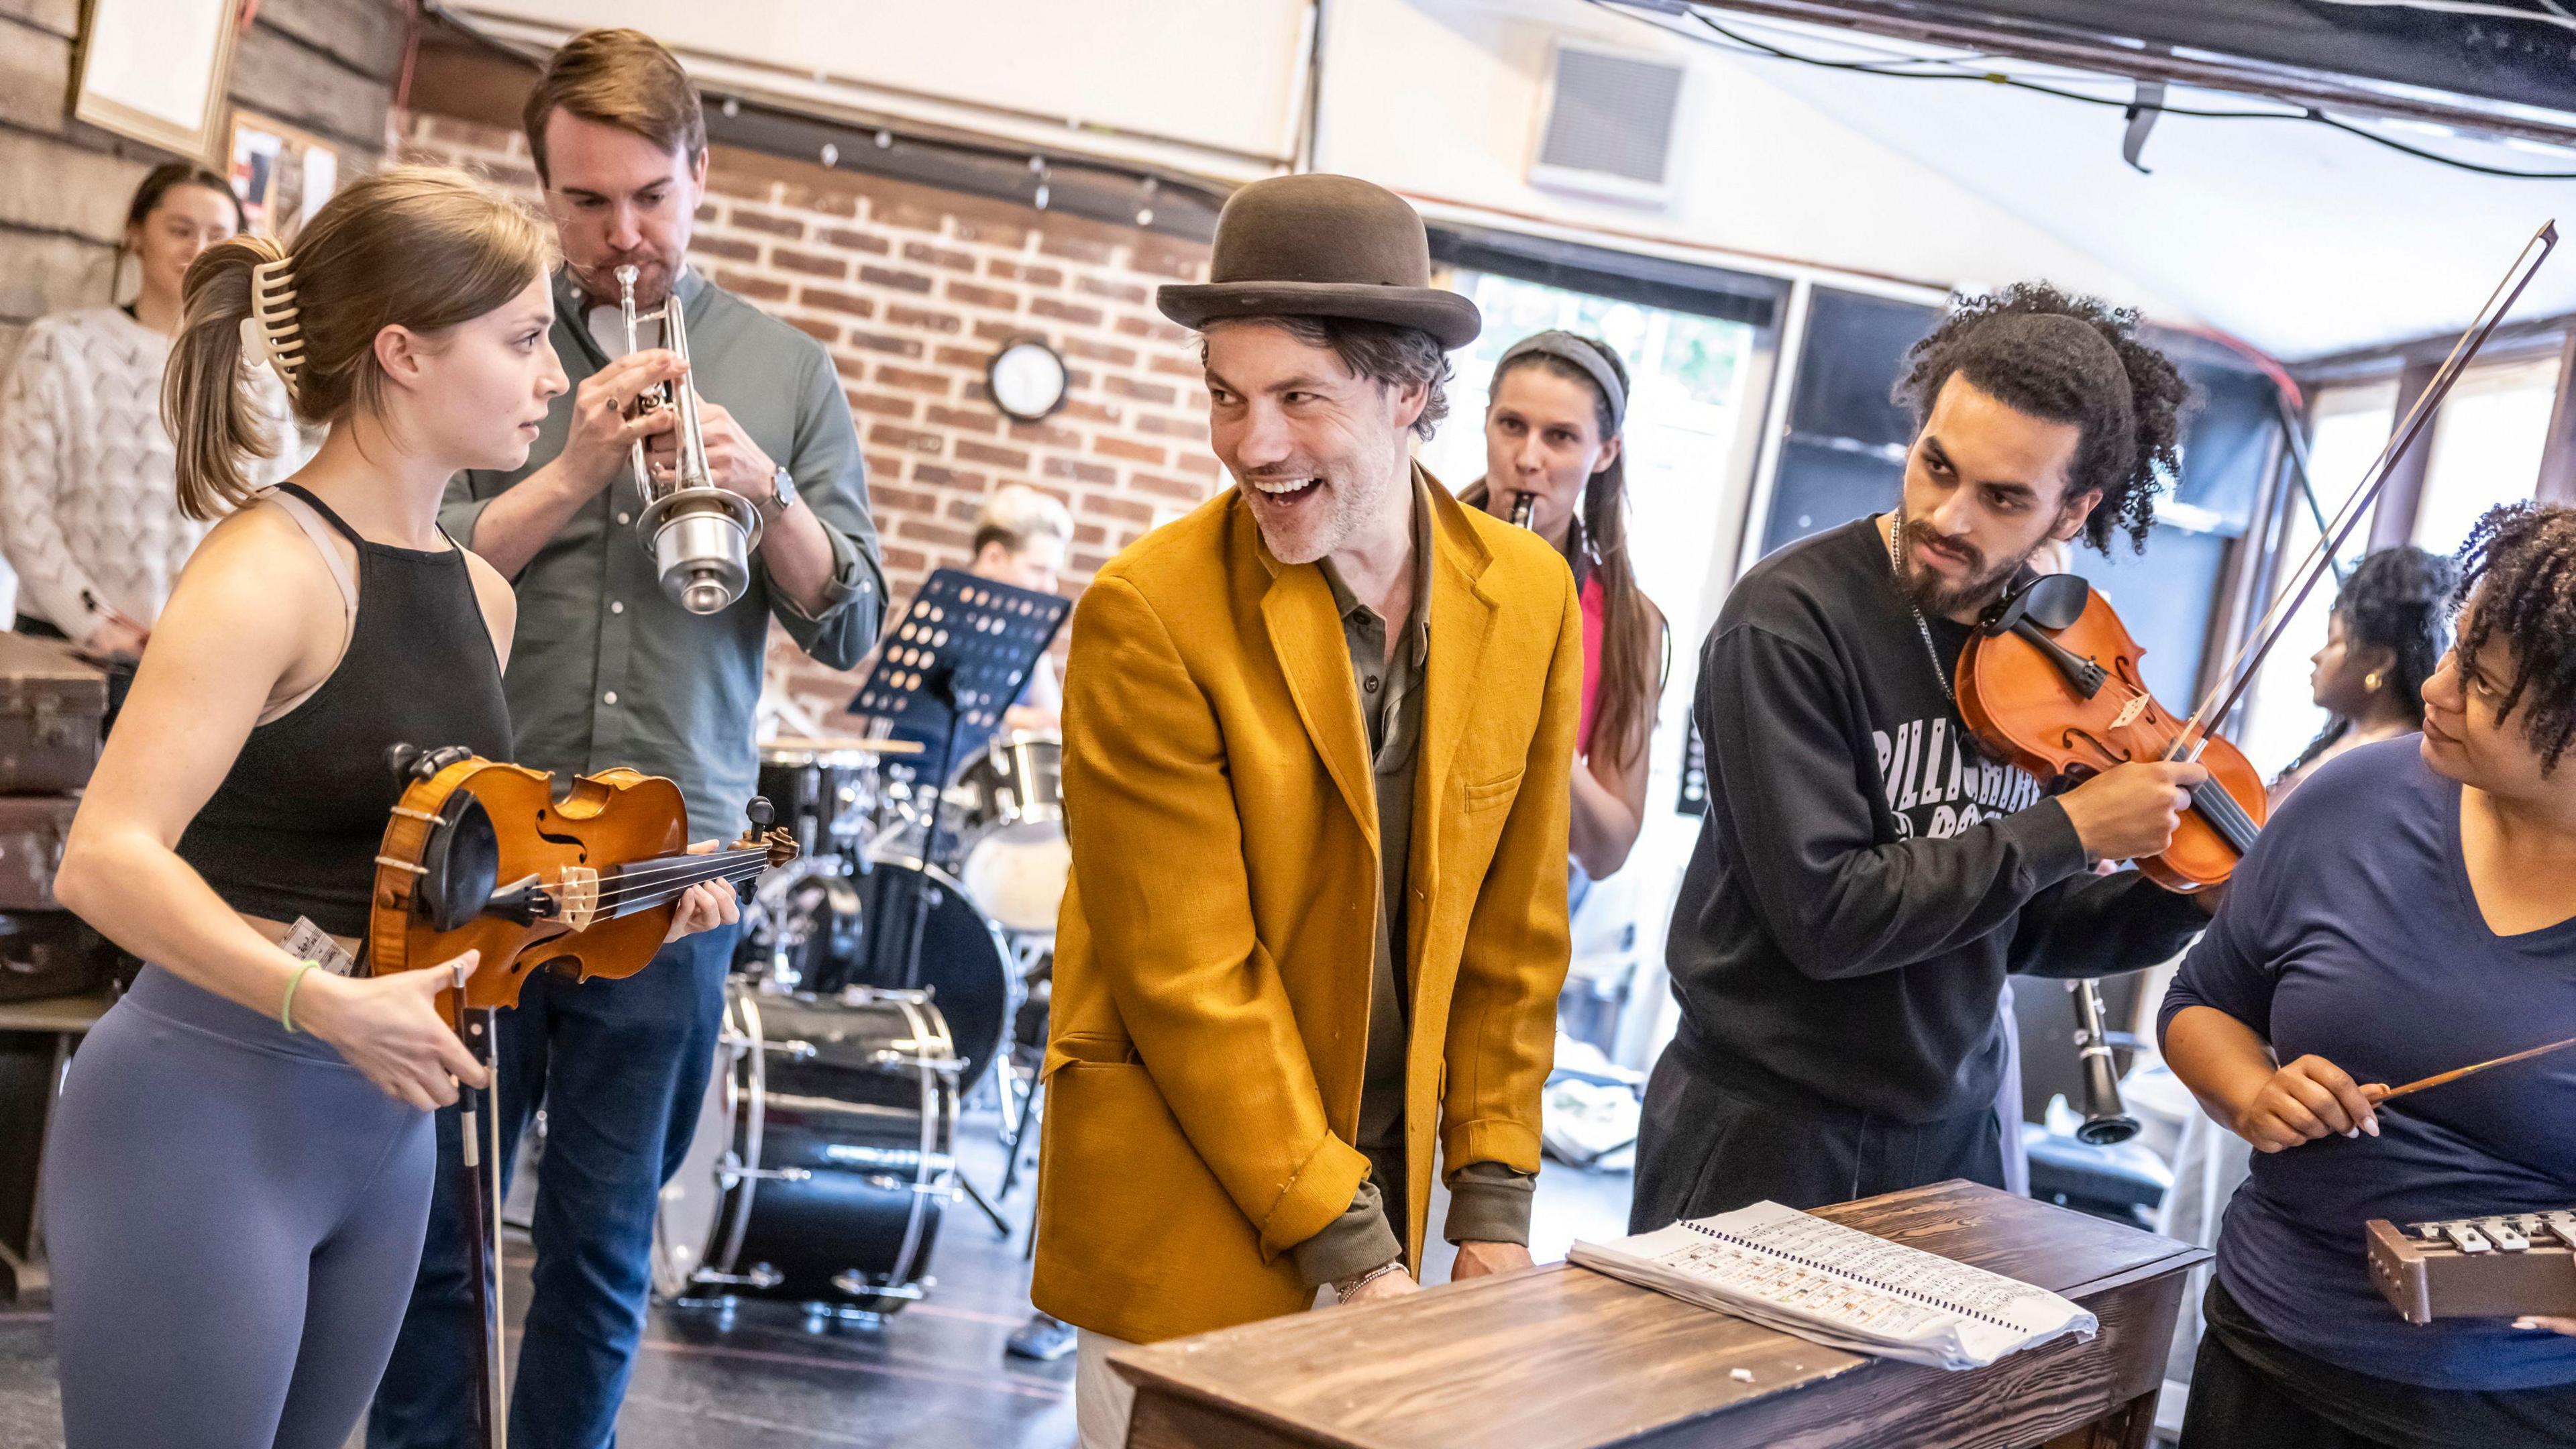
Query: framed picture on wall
(155, 70)
(282, 175)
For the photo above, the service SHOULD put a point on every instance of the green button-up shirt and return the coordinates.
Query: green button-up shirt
(605, 670)
(1488, 1202)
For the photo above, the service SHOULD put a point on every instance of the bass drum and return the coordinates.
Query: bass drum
(823, 1157)
(965, 967)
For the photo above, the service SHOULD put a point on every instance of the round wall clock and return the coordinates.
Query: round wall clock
(1027, 379)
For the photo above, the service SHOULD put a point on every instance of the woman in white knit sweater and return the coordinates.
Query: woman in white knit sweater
(89, 508)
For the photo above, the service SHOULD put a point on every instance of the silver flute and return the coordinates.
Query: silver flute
(701, 536)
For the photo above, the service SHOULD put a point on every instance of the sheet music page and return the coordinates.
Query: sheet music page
(1840, 1286)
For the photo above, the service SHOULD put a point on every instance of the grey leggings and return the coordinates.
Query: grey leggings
(235, 1219)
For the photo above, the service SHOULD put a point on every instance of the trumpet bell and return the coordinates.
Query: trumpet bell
(702, 540)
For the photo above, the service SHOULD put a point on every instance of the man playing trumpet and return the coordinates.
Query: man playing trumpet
(609, 670)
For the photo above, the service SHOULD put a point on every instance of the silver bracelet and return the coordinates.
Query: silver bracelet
(1343, 1288)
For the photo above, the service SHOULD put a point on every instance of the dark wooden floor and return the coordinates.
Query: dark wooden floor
(933, 1378)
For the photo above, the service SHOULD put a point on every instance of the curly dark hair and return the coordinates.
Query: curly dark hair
(2399, 600)
(2068, 359)
(2518, 570)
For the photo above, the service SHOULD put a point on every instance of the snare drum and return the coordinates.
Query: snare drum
(1016, 786)
(824, 795)
(822, 1160)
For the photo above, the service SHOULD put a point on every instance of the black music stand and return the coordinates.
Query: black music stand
(956, 657)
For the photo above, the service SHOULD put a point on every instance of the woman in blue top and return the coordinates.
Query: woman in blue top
(2412, 909)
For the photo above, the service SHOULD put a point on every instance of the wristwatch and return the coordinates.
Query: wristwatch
(782, 494)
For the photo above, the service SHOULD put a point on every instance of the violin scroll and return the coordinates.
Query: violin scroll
(765, 835)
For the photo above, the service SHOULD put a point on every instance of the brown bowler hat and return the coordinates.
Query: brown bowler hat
(1322, 246)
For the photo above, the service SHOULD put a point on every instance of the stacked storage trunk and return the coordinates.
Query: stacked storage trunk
(52, 711)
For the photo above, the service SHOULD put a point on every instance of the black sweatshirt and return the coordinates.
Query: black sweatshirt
(1862, 884)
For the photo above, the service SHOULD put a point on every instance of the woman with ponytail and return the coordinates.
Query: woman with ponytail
(2384, 638)
(1552, 436)
(240, 1171)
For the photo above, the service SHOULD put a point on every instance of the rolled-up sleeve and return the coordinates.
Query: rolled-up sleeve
(831, 478)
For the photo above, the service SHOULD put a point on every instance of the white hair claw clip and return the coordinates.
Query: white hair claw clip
(271, 327)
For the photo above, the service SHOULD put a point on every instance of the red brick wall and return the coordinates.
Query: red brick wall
(913, 290)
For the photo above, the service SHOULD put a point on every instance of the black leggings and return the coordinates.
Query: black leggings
(2249, 1389)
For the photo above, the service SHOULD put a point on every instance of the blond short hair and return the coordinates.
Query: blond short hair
(1017, 516)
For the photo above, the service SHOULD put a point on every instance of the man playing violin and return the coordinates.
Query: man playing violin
(607, 670)
(1865, 877)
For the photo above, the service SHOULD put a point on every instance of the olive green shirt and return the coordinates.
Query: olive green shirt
(1488, 1202)
(606, 669)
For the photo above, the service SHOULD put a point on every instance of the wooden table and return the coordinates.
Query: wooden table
(1564, 1358)
(36, 1041)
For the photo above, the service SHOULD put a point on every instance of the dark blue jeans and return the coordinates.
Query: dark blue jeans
(621, 1068)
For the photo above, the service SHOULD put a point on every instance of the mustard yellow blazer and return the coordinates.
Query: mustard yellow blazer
(1213, 959)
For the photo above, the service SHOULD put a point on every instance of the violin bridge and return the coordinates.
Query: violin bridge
(2129, 712)
(577, 895)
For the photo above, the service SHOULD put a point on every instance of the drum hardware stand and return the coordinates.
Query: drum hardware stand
(949, 665)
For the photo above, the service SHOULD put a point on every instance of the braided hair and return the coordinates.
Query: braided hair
(2399, 600)
(2520, 563)
(2068, 359)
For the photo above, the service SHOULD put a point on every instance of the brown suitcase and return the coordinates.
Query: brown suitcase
(32, 831)
(52, 953)
(53, 705)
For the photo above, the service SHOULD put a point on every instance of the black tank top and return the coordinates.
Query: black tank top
(295, 827)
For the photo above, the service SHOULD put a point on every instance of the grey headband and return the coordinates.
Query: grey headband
(1570, 347)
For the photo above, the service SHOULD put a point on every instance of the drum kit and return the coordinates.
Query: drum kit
(824, 1154)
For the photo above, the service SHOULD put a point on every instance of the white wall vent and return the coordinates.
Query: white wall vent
(1609, 127)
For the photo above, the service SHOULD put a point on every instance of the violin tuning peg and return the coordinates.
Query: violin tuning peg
(761, 813)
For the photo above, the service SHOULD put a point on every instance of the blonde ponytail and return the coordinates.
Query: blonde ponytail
(214, 423)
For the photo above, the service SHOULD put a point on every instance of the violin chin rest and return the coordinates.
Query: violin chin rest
(461, 864)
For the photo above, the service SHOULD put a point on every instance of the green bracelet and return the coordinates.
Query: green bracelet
(286, 1008)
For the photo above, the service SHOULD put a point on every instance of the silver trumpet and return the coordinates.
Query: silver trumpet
(701, 536)
(2106, 1117)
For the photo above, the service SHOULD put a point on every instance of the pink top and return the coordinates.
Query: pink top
(1595, 603)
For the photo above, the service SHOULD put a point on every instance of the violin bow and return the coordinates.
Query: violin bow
(480, 1132)
(2239, 674)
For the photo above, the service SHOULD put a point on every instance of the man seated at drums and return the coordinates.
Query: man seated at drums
(1021, 538)
(1317, 739)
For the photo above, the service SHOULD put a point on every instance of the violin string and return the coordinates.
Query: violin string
(648, 900)
(642, 873)
(674, 878)
(621, 892)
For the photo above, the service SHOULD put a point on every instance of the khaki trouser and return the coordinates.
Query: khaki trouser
(1101, 1399)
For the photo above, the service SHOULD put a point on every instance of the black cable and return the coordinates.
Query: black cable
(1761, 49)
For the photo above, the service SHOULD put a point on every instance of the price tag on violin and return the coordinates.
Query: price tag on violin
(306, 941)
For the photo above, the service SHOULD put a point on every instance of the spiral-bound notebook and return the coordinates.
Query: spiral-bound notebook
(1839, 1286)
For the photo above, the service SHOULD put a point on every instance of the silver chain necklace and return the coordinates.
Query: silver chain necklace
(1896, 566)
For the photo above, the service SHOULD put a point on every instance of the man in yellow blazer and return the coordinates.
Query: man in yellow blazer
(1317, 743)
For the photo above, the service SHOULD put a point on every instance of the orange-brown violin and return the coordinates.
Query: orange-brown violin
(2050, 682)
(481, 856)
